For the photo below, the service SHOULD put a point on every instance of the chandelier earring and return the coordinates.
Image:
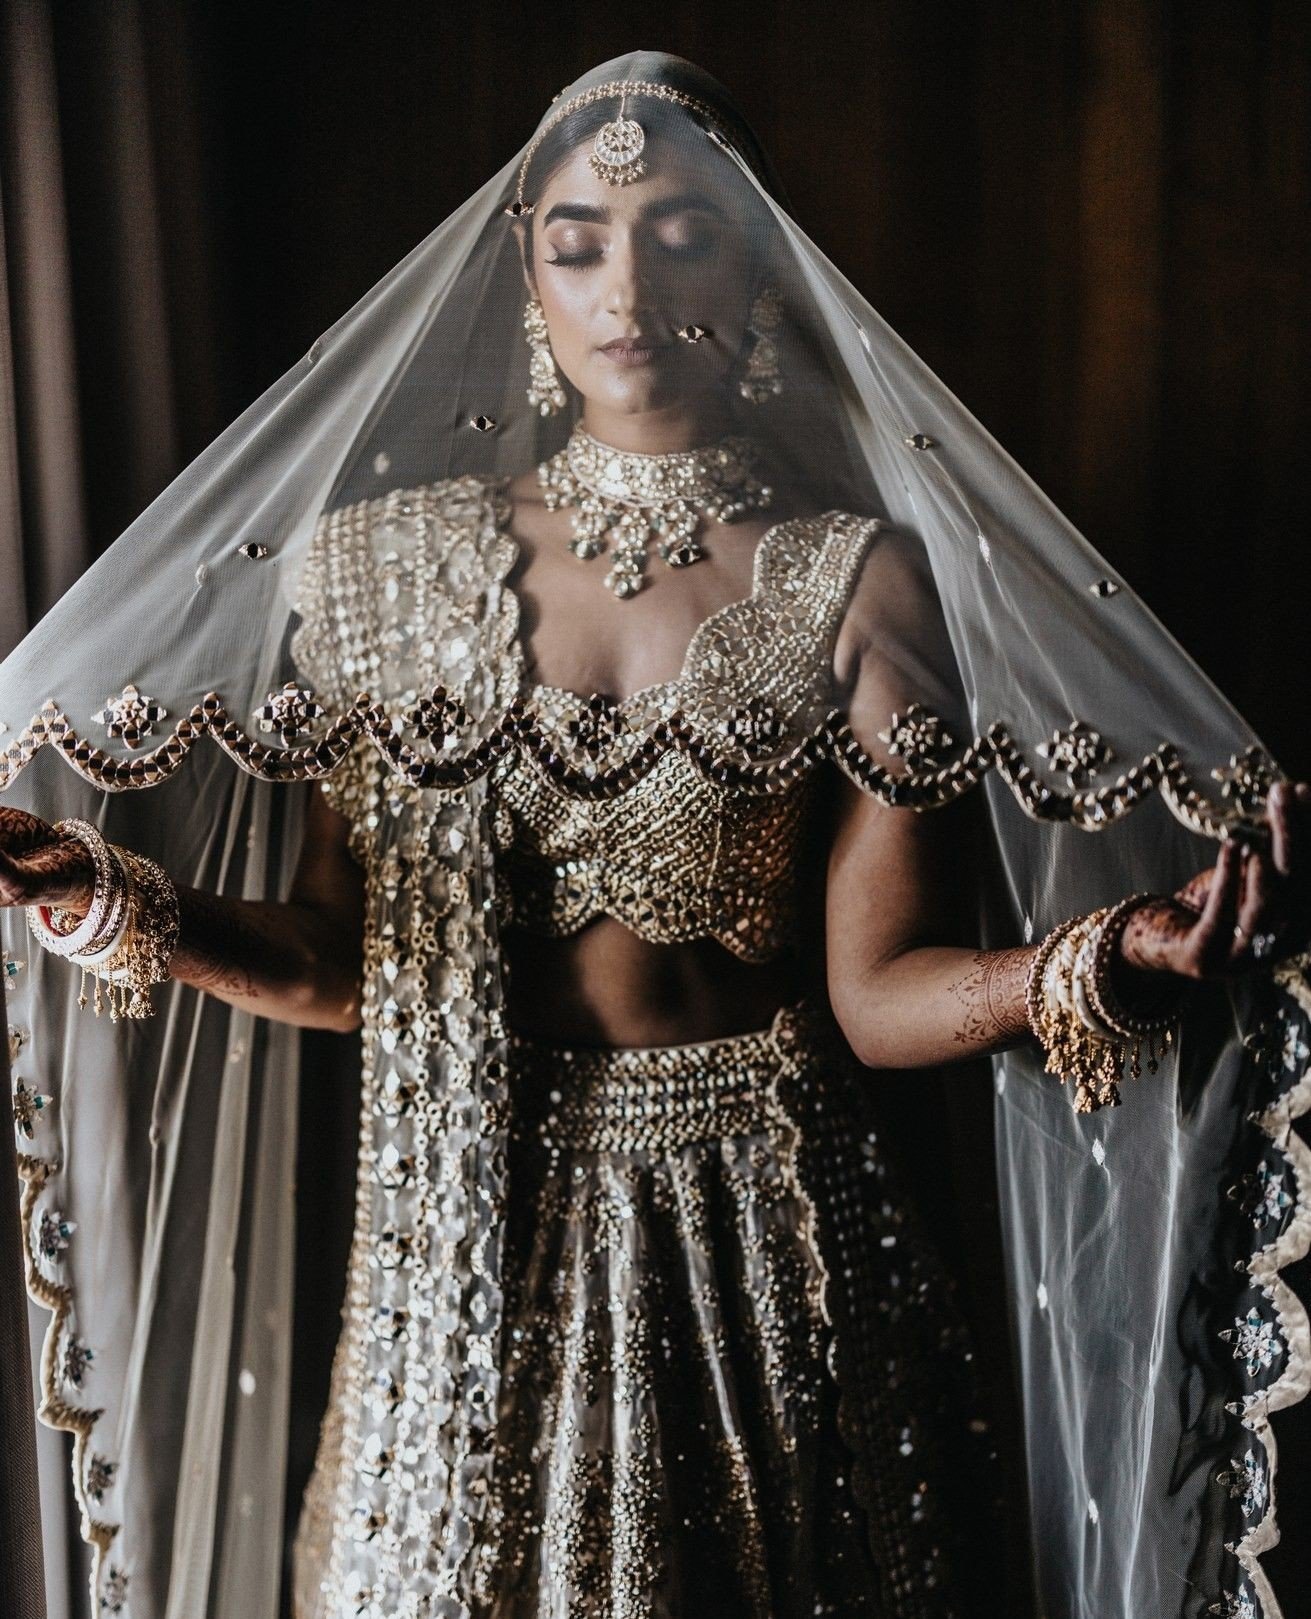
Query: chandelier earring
(763, 379)
(544, 387)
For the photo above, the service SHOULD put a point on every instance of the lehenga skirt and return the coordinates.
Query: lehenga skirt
(733, 1380)
(734, 1384)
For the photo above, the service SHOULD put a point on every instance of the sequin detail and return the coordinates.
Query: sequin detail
(422, 1493)
(757, 677)
(670, 1439)
(407, 1445)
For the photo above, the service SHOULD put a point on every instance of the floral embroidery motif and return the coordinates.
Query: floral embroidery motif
(113, 1597)
(594, 727)
(393, 1248)
(290, 711)
(99, 1476)
(396, 1097)
(1247, 779)
(757, 727)
(1247, 1485)
(917, 736)
(132, 715)
(389, 1323)
(395, 1027)
(440, 714)
(1256, 1341)
(28, 1105)
(74, 1363)
(53, 1234)
(395, 1168)
(367, 1522)
(1078, 750)
(376, 1458)
(1272, 1198)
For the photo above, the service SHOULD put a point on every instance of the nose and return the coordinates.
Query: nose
(629, 295)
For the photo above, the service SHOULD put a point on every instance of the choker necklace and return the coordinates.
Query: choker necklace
(626, 498)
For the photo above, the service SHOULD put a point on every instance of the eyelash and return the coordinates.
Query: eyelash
(576, 261)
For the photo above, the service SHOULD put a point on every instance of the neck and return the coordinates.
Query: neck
(658, 432)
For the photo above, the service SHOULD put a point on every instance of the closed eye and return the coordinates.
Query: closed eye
(575, 261)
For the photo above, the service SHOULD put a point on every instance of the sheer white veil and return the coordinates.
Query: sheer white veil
(1155, 1338)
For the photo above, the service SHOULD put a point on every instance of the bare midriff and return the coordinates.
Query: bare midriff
(606, 986)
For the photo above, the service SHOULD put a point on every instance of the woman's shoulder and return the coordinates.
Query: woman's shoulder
(465, 498)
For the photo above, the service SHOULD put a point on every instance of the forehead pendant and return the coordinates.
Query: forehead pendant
(617, 150)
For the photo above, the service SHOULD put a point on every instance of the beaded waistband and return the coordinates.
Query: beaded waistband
(653, 1098)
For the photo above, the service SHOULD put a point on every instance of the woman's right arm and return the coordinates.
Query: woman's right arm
(298, 962)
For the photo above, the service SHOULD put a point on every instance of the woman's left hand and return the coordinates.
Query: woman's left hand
(1249, 910)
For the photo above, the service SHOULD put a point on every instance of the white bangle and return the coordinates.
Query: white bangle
(1079, 984)
(110, 900)
(110, 904)
(94, 958)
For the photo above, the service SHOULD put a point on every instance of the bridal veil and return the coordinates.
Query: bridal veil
(163, 698)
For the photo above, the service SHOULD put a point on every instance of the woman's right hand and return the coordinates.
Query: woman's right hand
(39, 866)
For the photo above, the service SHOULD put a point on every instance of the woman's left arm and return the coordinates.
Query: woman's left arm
(906, 983)
(906, 988)
(909, 992)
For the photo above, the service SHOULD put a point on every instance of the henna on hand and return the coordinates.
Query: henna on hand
(39, 866)
(1209, 927)
(992, 994)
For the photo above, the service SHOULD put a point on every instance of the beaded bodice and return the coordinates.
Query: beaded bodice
(676, 855)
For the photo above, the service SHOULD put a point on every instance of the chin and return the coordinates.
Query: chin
(641, 395)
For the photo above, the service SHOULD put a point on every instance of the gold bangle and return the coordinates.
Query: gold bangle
(144, 958)
(1130, 1025)
(1074, 1050)
(1037, 967)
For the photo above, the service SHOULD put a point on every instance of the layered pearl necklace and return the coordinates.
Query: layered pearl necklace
(625, 499)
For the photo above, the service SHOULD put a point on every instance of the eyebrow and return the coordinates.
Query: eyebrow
(599, 214)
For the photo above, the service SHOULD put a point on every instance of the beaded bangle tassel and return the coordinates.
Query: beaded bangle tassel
(1087, 1034)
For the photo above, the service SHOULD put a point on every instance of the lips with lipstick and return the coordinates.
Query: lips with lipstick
(639, 350)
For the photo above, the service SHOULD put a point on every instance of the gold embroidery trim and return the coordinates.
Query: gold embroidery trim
(1090, 810)
(54, 1410)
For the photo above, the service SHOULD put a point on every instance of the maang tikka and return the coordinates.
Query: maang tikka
(616, 155)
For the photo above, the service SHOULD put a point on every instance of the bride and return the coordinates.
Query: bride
(636, 668)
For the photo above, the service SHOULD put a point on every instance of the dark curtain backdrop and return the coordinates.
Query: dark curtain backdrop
(1091, 219)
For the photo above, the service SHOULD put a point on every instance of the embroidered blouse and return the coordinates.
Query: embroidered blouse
(675, 856)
